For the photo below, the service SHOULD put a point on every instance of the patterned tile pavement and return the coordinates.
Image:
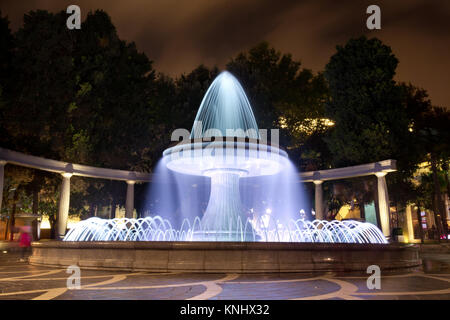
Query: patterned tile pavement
(19, 280)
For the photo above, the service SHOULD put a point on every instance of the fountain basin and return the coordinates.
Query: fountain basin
(246, 157)
(225, 160)
(230, 257)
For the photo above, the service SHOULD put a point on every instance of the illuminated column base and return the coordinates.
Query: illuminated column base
(64, 202)
(383, 204)
(222, 216)
(129, 205)
(318, 199)
(409, 223)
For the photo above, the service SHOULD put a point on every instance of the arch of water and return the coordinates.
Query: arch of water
(159, 229)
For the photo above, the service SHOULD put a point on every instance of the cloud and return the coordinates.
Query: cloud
(179, 35)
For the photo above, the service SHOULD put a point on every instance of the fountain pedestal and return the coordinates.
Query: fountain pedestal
(224, 219)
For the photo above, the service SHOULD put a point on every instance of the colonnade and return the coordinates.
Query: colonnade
(67, 170)
(383, 202)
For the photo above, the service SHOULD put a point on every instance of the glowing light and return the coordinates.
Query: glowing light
(282, 121)
(268, 211)
(308, 125)
(45, 223)
(71, 222)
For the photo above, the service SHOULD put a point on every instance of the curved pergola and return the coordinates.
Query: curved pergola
(67, 170)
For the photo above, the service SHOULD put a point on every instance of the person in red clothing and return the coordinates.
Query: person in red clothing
(24, 241)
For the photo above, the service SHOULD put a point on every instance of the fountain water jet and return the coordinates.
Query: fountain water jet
(225, 147)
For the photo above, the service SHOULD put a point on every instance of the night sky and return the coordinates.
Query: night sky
(178, 35)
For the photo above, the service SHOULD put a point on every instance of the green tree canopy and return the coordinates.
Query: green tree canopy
(365, 102)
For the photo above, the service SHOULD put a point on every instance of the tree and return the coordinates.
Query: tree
(6, 47)
(41, 87)
(402, 183)
(365, 103)
(81, 96)
(377, 118)
(112, 118)
(111, 115)
(434, 135)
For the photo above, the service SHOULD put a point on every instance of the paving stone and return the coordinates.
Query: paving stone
(19, 280)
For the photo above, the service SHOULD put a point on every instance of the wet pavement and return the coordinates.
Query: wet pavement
(19, 280)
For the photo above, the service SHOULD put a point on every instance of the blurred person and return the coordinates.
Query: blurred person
(24, 241)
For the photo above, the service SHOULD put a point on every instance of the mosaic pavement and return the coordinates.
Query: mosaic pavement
(19, 280)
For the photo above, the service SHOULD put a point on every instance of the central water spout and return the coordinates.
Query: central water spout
(225, 111)
(224, 214)
(226, 117)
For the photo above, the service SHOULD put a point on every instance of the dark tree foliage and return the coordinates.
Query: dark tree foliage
(365, 103)
(110, 112)
(81, 96)
(377, 118)
(6, 47)
(42, 85)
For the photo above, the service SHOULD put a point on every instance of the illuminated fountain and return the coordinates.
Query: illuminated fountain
(226, 147)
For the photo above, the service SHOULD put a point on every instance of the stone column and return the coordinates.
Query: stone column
(319, 199)
(129, 205)
(409, 223)
(2, 177)
(383, 203)
(64, 201)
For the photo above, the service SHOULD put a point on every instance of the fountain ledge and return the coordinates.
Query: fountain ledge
(235, 257)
